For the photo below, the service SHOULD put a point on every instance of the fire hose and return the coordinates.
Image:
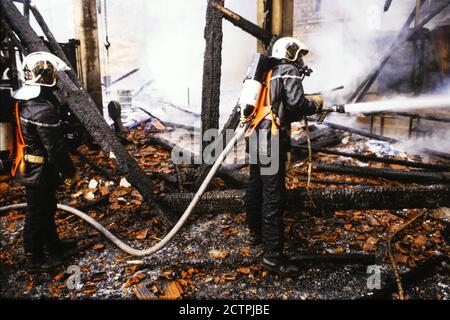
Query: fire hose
(239, 134)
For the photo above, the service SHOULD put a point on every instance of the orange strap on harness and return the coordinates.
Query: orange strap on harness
(20, 146)
(263, 110)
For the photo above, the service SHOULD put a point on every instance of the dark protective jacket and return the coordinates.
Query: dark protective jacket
(43, 135)
(288, 101)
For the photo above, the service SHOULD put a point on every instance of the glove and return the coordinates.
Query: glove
(318, 101)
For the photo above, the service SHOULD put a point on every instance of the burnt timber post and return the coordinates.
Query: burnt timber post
(275, 17)
(26, 9)
(265, 37)
(86, 26)
(83, 107)
(212, 70)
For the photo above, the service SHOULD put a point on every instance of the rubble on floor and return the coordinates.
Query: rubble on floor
(211, 257)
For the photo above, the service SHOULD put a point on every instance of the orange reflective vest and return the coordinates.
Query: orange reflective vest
(19, 162)
(263, 110)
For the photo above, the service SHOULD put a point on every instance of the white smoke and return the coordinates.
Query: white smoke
(348, 44)
(351, 41)
(165, 39)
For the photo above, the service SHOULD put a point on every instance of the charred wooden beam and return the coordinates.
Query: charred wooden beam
(91, 204)
(324, 200)
(387, 5)
(373, 158)
(436, 153)
(244, 24)
(26, 9)
(167, 178)
(83, 107)
(390, 174)
(334, 182)
(359, 132)
(212, 70)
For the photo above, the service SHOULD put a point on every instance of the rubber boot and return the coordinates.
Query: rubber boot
(61, 249)
(40, 264)
(254, 239)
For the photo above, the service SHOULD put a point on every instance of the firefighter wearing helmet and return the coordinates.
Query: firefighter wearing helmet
(42, 161)
(286, 103)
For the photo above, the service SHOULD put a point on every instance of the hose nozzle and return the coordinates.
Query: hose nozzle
(335, 109)
(332, 109)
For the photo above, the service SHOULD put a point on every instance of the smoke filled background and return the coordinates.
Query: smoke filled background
(349, 39)
(164, 39)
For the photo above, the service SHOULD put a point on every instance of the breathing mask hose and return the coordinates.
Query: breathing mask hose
(240, 133)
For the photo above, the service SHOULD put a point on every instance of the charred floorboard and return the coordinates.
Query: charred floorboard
(325, 200)
(81, 104)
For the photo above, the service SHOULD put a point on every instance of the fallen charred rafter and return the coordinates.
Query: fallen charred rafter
(83, 107)
(324, 200)
(435, 153)
(359, 132)
(373, 158)
(390, 174)
(334, 182)
(239, 259)
(91, 204)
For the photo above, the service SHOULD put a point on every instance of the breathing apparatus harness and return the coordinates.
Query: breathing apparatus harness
(256, 100)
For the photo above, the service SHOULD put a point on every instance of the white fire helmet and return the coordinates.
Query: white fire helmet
(39, 70)
(290, 49)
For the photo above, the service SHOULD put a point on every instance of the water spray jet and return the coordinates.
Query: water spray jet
(392, 105)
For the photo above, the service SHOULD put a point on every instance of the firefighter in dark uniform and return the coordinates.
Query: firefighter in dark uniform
(42, 161)
(265, 197)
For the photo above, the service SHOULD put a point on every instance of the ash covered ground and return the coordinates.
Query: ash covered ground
(211, 258)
